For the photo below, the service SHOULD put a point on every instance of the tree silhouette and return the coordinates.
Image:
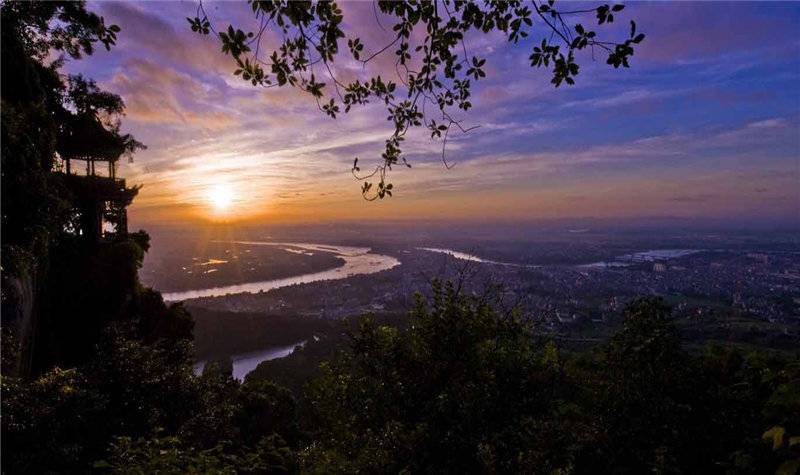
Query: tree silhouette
(434, 75)
(66, 274)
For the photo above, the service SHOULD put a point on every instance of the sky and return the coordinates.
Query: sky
(705, 124)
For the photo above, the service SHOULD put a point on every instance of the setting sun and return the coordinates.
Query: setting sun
(220, 197)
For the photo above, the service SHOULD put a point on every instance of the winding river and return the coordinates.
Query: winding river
(357, 261)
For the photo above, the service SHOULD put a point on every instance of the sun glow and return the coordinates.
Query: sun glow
(221, 198)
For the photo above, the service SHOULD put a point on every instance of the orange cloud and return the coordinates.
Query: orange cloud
(156, 94)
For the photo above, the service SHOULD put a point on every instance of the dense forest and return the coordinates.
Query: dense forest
(97, 370)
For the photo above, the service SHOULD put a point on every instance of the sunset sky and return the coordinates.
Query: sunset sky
(706, 123)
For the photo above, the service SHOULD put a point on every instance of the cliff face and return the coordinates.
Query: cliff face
(88, 285)
(20, 286)
(56, 303)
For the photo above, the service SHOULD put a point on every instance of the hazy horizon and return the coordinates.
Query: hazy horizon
(576, 224)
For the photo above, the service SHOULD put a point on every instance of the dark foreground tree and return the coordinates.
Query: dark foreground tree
(461, 389)
(428, 49)
(457, 391)
(138, 408)
(91, 353)
(58, 291)
(467, 390)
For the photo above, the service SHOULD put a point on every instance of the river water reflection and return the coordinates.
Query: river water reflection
(357, 261)
(247, 362)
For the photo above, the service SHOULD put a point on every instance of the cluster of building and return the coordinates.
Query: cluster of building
(711, 287)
